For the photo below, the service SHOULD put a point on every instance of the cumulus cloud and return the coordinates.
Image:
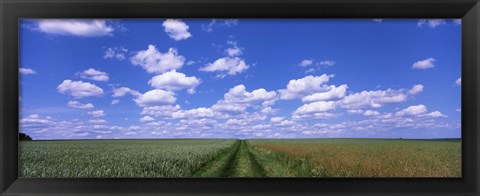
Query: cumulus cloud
(305, 63)
(115, 101)
(432, 23)
(436, 114)
(97, 121)
(276, 119)
(222, 22)
(155, 97)
(230, 65)
(118, 53)
(457, 21)
(373, 99)
(316, 107)
(146, 119)
(35, 118)
(79, 89)
(418, 88)
(81, 28)
(122, 91)
(418, 110)
(305, 86)
(355, 111)
(227, 66)
(93, 74)
(76, 104)
(327, 63)
(237, 100)
(412, 110)
(371, 113)
(238, 94)
(174, 81)
(234, 50)
(160, 110)
(156, 62)
(97, 113)
(459, 81)
(194, 113)
(424, 64)
(26, 71)
(176, 29)
(333, 93)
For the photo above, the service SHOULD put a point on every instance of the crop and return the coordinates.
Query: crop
(117, 158)
(362, 157)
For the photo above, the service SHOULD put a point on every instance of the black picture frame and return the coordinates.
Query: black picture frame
(13, 10)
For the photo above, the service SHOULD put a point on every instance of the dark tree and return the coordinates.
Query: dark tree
(24, 137)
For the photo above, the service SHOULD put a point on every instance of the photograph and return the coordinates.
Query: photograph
(236, 98)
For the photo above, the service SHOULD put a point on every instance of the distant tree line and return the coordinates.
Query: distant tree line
(24, 137)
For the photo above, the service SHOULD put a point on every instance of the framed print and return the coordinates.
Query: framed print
(239, 98)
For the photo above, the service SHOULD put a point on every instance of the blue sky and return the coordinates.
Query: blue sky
(240, 78)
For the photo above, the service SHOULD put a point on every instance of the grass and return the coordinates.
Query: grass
(364, 157)
(241, 158)
(118, 158)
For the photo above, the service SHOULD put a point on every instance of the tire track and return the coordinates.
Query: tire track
(237, 162)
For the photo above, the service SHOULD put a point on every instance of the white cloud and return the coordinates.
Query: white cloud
(176, 29)
(155, 97)
(317, 115)
(35, 118)
(224, 22)
(161, 110)
(226, 65)
(26, 71)
(268, 110)
(424, 64)
(174, 81)
(418, 88)
(79, 89)
(97, 113)
(97, 121)
(315, 107)
(156, 62)
(457, 21)
(436, 114)
(327, 63)
(93, 74)
(276, 119)
(432, 23)
(194, 113)
(305, 86)
(333, 93)
(371, 113)
(115, 52)
(222, 106)
(459, 81)
(115, 101)
(238, 94)
(459, 110)
(82, 28)
(378, 20)
(305, 63)
(412, 111)
(76, 104)
(122, 91)
(419, 111)
(146, 119)
(234, 50)
(374, 99)
(355, 111)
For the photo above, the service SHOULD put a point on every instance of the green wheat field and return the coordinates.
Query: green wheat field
(241, 158)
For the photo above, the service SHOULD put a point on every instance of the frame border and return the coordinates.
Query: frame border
(13, 10)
